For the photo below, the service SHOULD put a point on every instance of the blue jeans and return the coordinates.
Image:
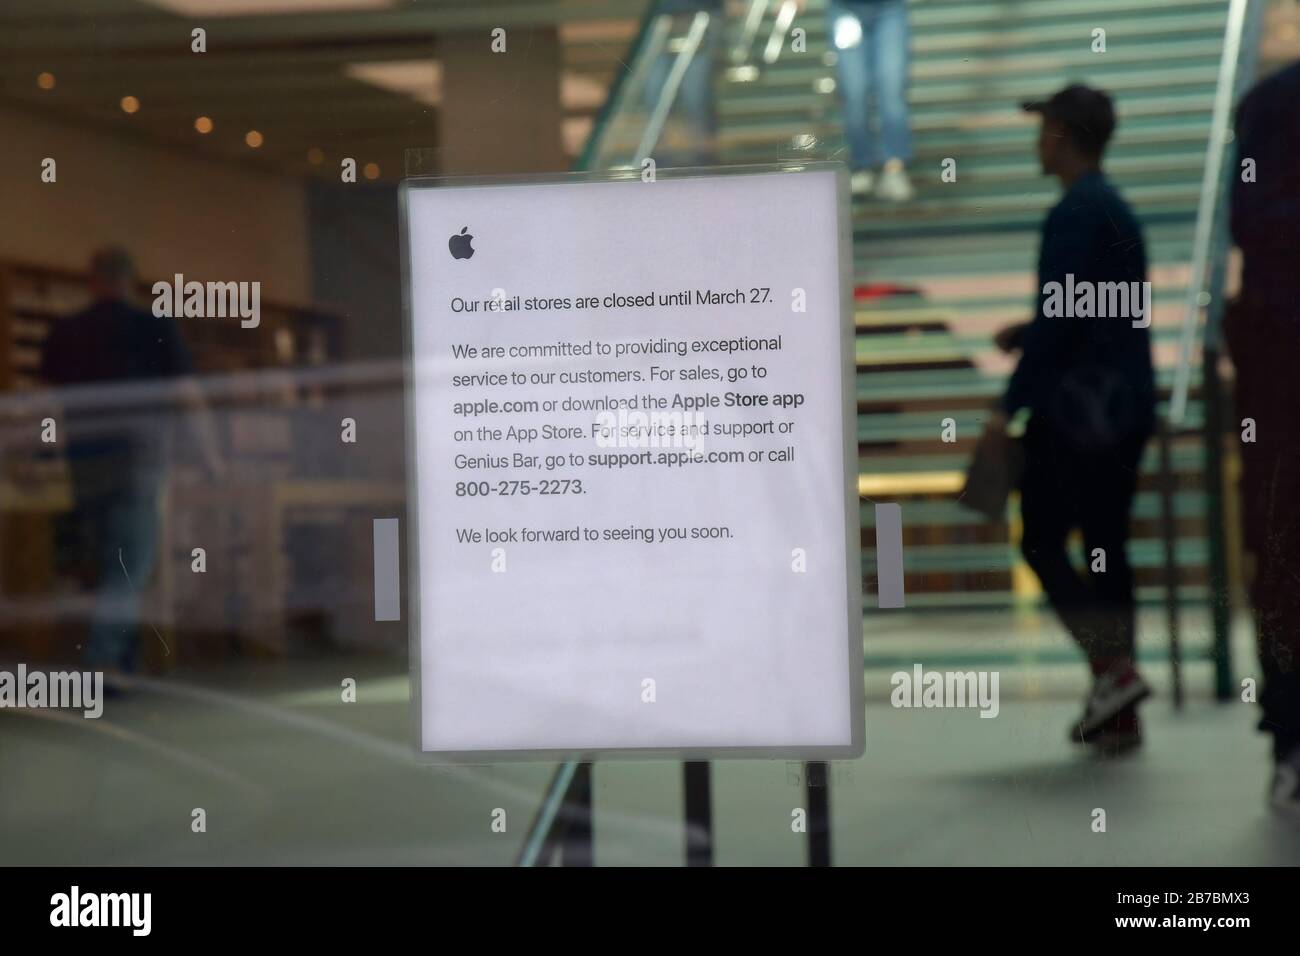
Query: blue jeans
(123, 525)
(877, 62)
(694, 107)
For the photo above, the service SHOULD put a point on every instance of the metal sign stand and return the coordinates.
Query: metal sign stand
(564, 823)
(818, 787)
(698, 813)
(577, 848)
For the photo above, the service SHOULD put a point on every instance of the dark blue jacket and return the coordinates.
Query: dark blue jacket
(1093, 236)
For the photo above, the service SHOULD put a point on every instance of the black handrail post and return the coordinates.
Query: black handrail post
(698, 813)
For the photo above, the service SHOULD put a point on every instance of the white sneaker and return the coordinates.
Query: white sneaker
(894, 186)
(1285, 795)
(861, 181)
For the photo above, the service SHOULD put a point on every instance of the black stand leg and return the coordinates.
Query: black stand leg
(699, 814)
(819, 814)
(576, 848)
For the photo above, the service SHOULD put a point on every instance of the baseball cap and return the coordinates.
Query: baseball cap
(1088, 114)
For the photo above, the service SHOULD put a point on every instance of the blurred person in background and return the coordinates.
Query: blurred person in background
(1089, 386)
(116, 445)
(872, 41)
(1263, 335)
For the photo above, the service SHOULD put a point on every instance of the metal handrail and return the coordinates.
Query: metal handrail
(616, 89)
(749, 31)
(690, 46)
(635, 53)
(1209, 223)
(776, 40)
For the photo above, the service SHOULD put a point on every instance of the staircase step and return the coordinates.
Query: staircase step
(1034, 55)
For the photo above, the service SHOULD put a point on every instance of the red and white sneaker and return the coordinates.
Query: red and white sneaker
(1120, 735)
(1113, 692)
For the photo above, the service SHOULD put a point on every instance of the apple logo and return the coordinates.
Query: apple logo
(460, 245)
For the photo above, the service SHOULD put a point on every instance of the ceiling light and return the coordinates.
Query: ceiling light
(203, 124)
(130, 104)
(45, 81)
(253, 138)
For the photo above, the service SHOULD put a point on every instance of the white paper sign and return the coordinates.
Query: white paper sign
(633, 455)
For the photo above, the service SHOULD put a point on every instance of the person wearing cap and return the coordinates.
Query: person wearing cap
(1263, 337)
(1089, 388)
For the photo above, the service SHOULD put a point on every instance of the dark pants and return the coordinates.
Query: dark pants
(1064, 488)
(1265, 345)
(116, 513)
(1272, 482)
(872, 51)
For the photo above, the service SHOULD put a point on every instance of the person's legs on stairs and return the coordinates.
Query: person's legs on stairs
(854, 84)
(1057, 492)
(889, 43)
(1110, 715)
(1047, 511)
(1105, 519)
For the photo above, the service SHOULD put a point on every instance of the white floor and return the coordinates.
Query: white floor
(287, 773)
